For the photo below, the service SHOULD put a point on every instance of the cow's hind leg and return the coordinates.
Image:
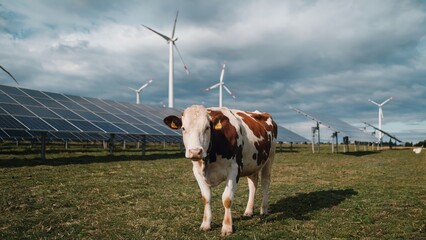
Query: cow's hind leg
(266, 182)
(252, 184)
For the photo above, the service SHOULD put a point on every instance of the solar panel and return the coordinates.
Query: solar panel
(18, 134)
(25, 113)
(42, 112)
(35, 123)
(61, 125)
(5, 99)
(11, 90)
(27, 101)
(9, 122)
(15, 109)
(285, 135)
(343, 128)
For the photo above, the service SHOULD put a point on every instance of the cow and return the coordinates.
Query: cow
(224, 145)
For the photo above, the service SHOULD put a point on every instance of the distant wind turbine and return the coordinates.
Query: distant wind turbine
(220, 85)
(9, 74)
(172, 42)
(138, 91)
(380, 115)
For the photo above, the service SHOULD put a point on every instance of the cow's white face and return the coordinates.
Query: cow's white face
(195, 124)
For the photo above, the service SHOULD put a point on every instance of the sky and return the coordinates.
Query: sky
(328, 57)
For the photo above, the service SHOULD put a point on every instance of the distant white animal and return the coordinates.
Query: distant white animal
(418, 150)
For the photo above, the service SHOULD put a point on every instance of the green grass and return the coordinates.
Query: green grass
(80, 194)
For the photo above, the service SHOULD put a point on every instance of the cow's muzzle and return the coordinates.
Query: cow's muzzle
(195, 154)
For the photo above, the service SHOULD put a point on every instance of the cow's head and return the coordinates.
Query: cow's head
(196, 130)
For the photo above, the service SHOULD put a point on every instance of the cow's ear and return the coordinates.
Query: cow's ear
(173, 122)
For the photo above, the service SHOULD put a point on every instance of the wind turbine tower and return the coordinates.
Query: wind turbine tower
(380, 115)
(138, 91)
(220, 85)
(172, 43)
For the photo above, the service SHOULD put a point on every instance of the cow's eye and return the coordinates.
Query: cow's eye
(207, 128)
(183, 129)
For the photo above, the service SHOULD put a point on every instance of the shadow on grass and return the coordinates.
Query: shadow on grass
(300, 206)
(86, 159)
(360, 153)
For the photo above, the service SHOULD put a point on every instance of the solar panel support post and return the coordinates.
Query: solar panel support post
(124, 144)
(319, 141)
(43, 145)
(313, 129)
(111, 143)
(333, 143)
(66, 144)
(143, 145)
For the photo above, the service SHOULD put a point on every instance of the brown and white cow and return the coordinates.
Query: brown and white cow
(224, 145)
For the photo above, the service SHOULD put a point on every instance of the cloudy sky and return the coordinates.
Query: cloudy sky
(320, 56)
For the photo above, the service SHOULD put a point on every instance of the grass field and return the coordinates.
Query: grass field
(86, 194)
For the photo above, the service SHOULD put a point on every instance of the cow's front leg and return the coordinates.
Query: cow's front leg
(205, 195)
(227, 198)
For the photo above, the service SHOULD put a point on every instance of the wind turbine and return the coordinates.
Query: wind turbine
(380, 115)
(172, 43)
(8, 73)
(220, 85)
(138, 91)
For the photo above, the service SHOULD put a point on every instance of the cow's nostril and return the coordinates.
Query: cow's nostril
(196, 153)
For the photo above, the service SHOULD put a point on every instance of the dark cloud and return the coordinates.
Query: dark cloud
(324, 56)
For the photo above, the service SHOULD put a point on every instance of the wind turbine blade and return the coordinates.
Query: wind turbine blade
(174, 26)
(162, 35)
(223, 72)
(373, 102)
(9, 74)
(229, 91)
(181, 59)
(383, 103)
(144, 86)
(133, 89)
(212, 87)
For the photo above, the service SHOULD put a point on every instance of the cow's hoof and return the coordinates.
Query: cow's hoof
(205, 227)
(226, 231)
(248, 214)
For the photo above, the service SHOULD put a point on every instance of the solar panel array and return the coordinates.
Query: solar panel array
(285, 135)
(343, 128)
(26, 113)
